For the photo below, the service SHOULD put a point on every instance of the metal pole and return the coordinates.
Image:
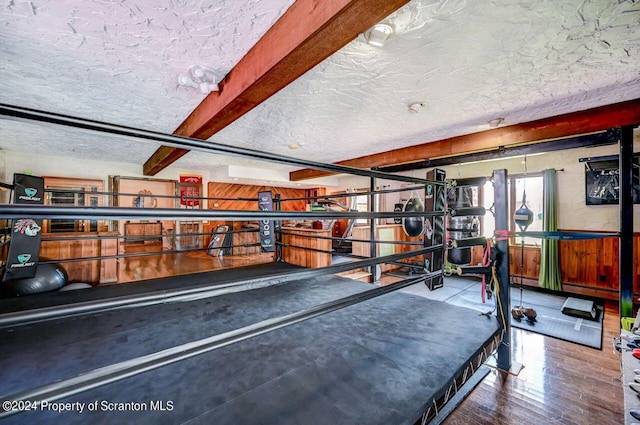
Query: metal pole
(501, 194)
(56, 211)
(188, 142)
(372, 228)
(278, 227)
(626, 222)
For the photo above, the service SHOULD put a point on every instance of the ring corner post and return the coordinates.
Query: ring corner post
(625, 246)
(372, 228)
(501, 191)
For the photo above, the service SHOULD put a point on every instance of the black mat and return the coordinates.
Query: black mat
(378, 362)
(47, 299)
(550, 320)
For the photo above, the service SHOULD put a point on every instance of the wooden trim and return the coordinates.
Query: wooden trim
(561, 126)
(573, 288)
(306, 34)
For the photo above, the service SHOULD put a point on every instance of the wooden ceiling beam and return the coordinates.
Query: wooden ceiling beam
(572, 124)
(306, 34)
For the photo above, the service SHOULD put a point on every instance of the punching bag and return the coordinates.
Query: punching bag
(413, 226)
(461, 227)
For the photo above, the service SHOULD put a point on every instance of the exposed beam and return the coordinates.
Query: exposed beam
(588, 121)
(590, 140)
(306, 34)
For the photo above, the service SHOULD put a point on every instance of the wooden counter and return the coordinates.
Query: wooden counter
(93, 272)
(388, 232)
(242, 241)
(305, 238)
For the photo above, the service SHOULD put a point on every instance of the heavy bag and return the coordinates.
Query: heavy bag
(413, 226)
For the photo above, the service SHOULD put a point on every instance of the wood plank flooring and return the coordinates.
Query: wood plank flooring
(561, 382)
(131, 269)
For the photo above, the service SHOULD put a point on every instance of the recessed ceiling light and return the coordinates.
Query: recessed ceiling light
(495, 122)
(378, 34)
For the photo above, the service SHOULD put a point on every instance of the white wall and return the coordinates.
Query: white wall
(18, 162)
(573, 212)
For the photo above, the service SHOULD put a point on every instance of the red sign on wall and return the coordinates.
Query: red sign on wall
(189, 194)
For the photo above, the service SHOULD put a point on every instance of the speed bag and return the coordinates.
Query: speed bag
(413, 226)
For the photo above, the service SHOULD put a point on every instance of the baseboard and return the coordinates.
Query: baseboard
(573, 288)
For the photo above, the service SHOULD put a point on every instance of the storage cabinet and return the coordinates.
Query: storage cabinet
(306, 238)
(150, 232)
(71, 192)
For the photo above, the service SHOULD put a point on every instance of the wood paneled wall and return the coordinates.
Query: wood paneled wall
(243, 193)
(594, 264)
(588, 267)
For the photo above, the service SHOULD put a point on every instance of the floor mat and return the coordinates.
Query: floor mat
(550, 320)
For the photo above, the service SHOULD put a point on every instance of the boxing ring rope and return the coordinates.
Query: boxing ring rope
(128, 368)
(191, 143)
(31, 316)
(45, 211)
(217, 198)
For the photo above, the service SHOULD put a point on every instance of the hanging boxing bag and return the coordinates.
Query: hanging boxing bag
(413, 226)
(523, 215)
(461, 226)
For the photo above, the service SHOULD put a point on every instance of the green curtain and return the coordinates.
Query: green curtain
(550, 260)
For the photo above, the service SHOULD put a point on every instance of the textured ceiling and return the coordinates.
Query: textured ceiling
(467, 61)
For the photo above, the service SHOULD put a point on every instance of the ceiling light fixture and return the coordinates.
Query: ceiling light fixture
(378, 34)
(200, 77)
(416, 107)
(495, 122)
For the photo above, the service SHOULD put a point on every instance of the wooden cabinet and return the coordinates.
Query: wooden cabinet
(306, 238)
(85, 245)
(190, 235)
(243, 241)
(72, 192)
(143, 232)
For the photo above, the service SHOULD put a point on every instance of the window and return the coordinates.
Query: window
(517, 184)
(532, 185)
(362, 205)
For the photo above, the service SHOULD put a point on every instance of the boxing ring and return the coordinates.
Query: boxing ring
(271, 344)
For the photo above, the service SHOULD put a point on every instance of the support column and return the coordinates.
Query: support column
(435, 229)
(372, 229)
(626, 221)
(501, 205)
